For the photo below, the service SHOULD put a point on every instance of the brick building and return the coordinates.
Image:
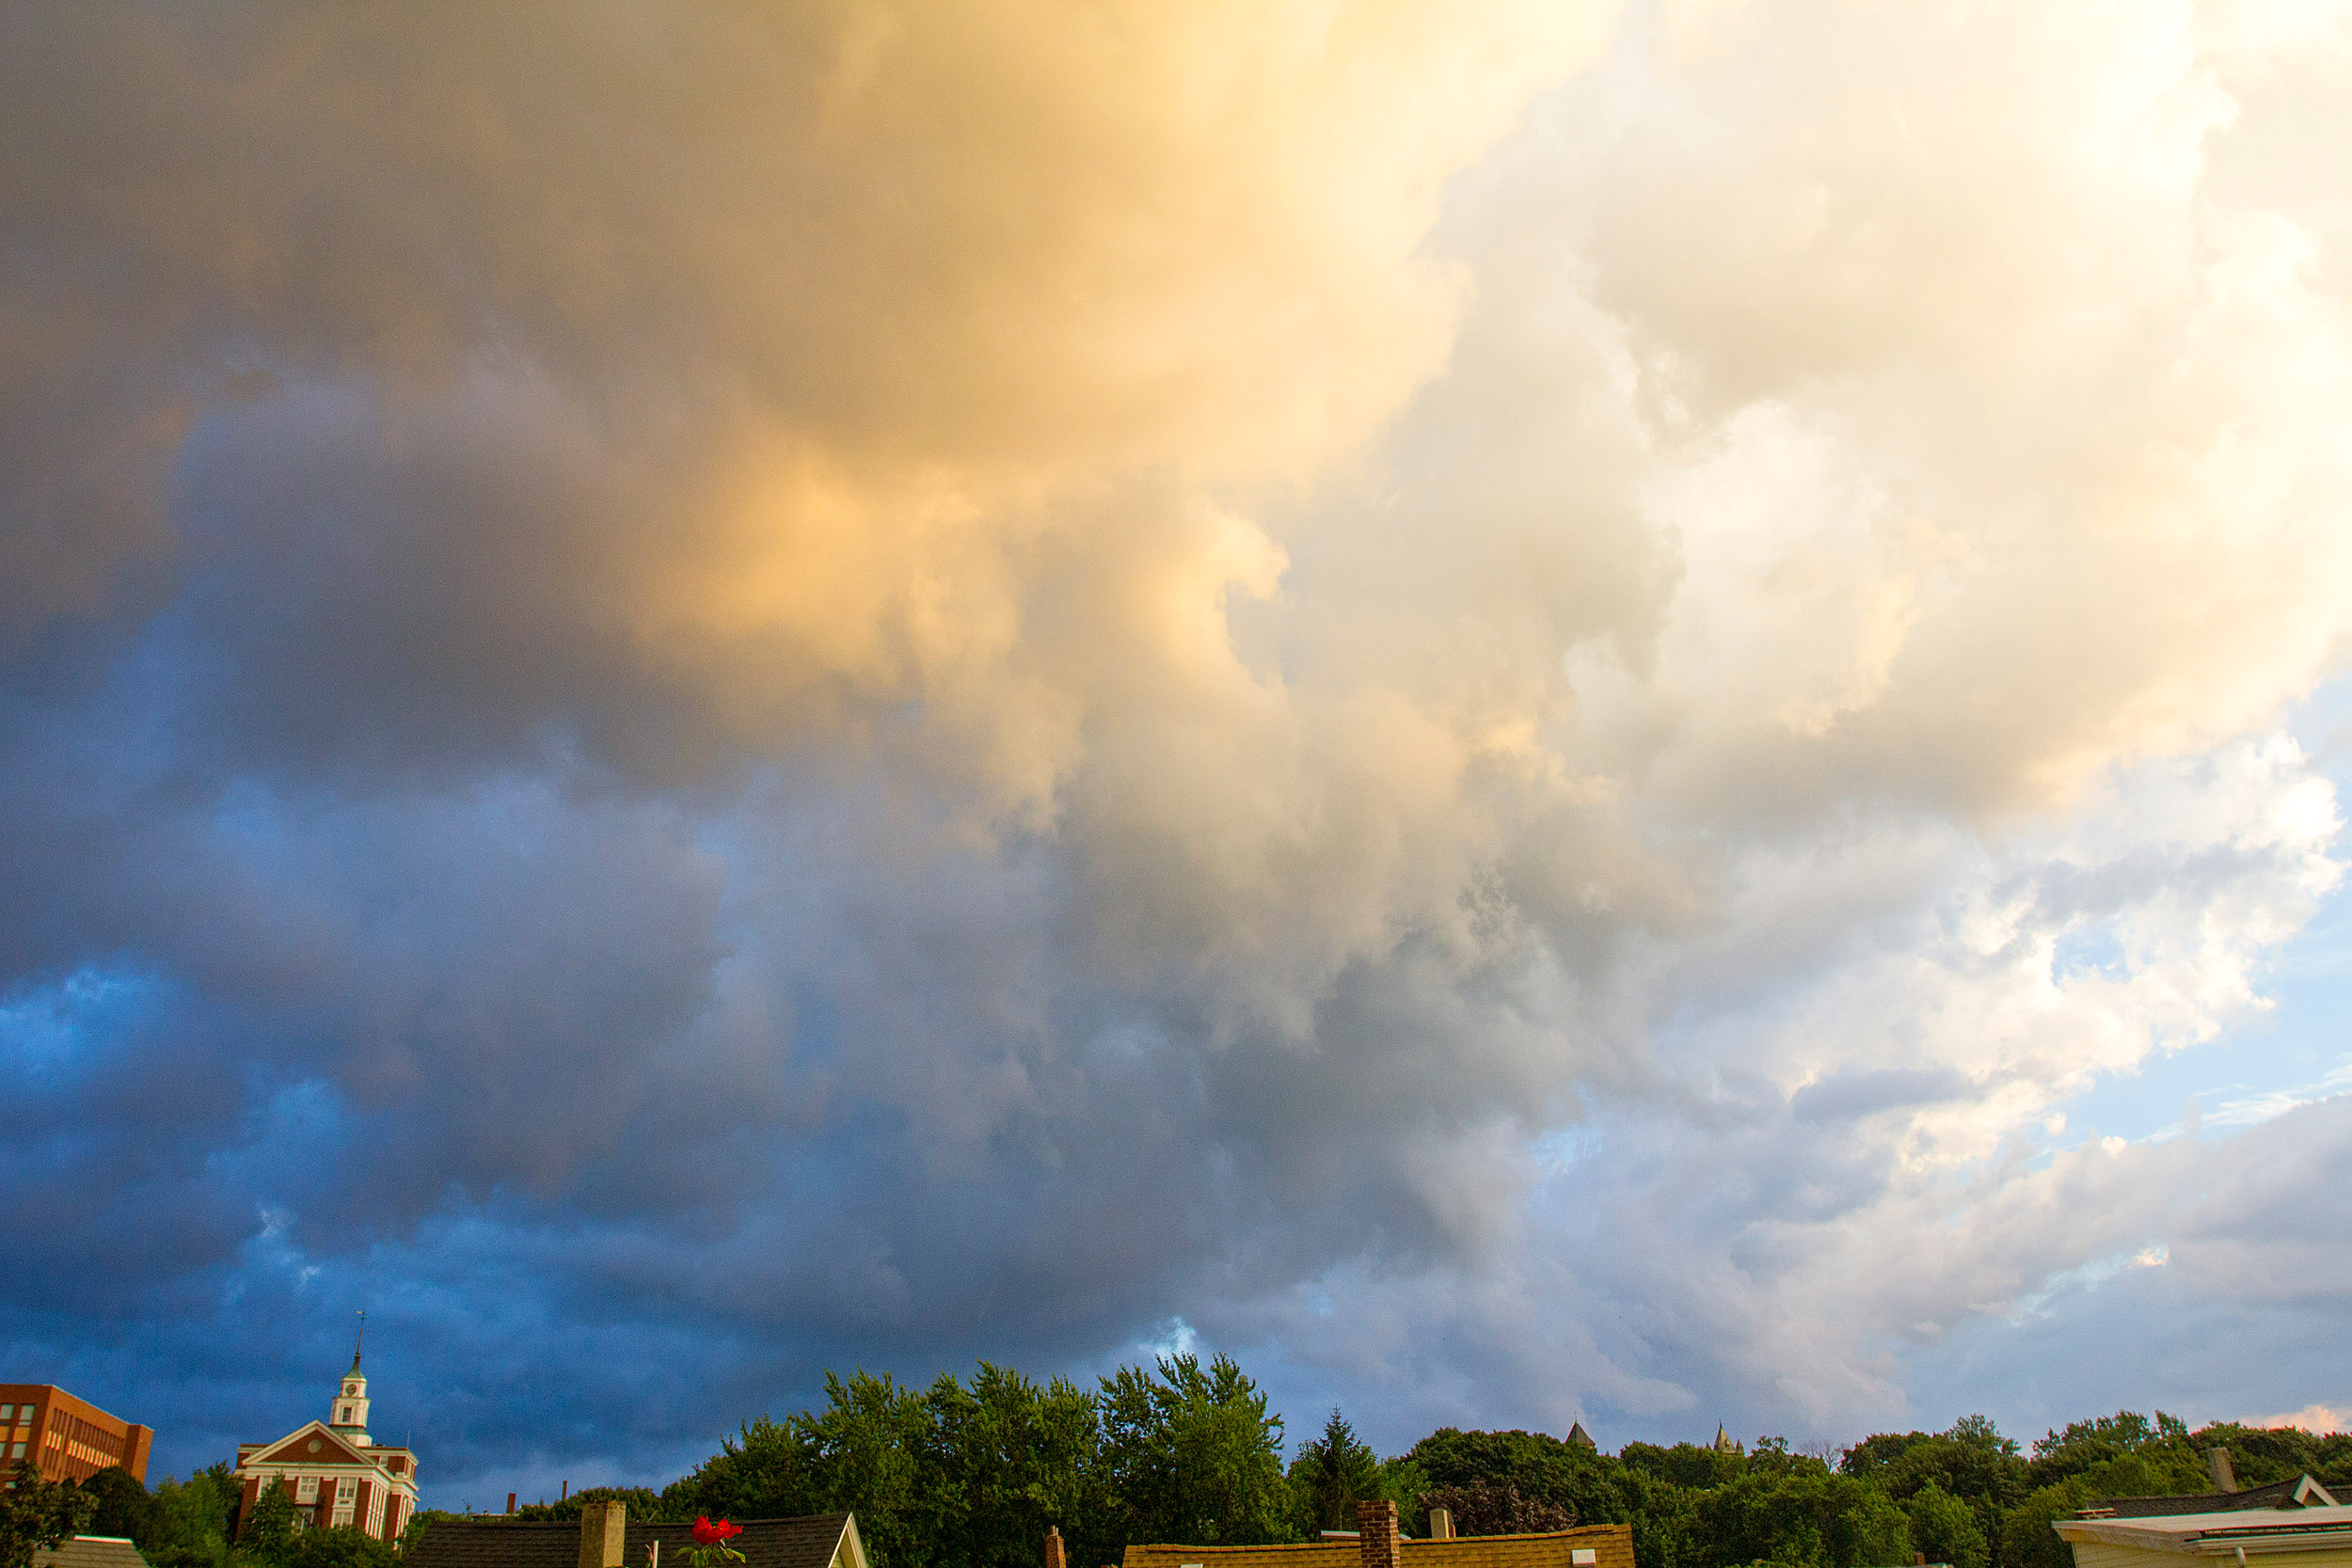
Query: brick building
(337, 1473)
(65, 1438)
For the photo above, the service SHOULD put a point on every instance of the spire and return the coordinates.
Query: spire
(348, 1413)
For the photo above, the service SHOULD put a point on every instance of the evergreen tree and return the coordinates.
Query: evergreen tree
(1330, 1474)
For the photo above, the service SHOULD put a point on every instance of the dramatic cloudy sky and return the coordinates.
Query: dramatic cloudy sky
(1533, 711)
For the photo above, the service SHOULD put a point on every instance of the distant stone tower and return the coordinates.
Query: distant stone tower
(348, 1415)
(1724, 1444)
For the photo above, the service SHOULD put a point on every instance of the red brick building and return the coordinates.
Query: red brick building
(336, 1472)
(65, 1438)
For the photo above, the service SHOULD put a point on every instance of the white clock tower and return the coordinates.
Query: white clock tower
(348, 1417)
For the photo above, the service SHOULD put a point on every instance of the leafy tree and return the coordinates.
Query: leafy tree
(1685, 1463)
(1665, 1522)
(1589, 1487)
(1329, 1475)
(1192, 1455)
(1806, 1517)
(336, 1547)
(860, 1454)
(1002, 1461)
(2081, 1445)
(36, 1512)
(1492, 1507)
(1875, 1455)
(266, 1529)
(121, 1505)
(1946, 1528)
(2026, 1539)
(1970, 1461)
(192, 1523)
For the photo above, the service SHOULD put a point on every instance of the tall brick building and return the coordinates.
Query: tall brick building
(65, 1438)
(337, 1473)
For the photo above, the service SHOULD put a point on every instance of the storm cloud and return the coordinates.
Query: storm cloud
(1494, 702)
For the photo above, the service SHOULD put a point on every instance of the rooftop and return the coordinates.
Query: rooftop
(809, 1542)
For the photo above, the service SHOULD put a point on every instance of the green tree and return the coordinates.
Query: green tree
(2079, 1445)
(36, 1512)
(1970, 1461)
(1946, 1528)
(1685, 1463)
(860, 1454)
(1003, 1460)
(1804, 1516)
(2026, 1539)
(191, 1527)
(1192, 1455)
(1665, 1522)
(336, 1547)
(1496, 1508)
(1329, 1475)
(121, 1507)
(266, 1529)
(1591, 1487)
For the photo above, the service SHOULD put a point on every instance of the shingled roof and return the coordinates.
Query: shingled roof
(89, 1551)
(1612, 1546)
(2302, 1492)
(812, 1540)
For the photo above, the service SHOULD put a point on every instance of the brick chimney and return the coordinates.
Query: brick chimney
(1055, 1557)
(2224, 1474)
(1377, 1538)
(603, 1528)
(1442, 1524)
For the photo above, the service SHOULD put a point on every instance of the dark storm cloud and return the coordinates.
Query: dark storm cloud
(685, 697)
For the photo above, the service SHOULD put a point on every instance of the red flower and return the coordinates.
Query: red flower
(709, 1534)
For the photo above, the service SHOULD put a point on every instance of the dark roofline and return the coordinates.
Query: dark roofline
(1349, 1536)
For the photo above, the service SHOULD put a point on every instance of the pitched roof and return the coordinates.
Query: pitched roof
(326, 1446)
(2302, 1492)
(1612, 1546)
(808, 1541)
(89, 1551)
(2247, 1529)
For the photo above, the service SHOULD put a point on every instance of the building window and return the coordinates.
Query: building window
(16, 1450)
(307, 1490)
(346, 1489)
(6, 1411)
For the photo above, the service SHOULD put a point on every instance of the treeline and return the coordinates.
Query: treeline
(970, 1474)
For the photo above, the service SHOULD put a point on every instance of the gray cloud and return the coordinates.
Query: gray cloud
(1443, 693)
